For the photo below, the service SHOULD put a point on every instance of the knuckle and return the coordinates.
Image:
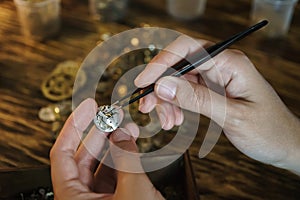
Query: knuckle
(237, 52)
(233, 54)
(237, 115)
(202, 98)
(198, 97)
(238, 55)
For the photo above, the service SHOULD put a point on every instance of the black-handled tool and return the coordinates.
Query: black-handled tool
(190, 63)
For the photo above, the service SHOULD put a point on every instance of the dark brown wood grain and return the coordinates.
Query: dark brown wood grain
(225, 173)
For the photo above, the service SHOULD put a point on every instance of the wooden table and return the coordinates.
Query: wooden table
(225, 173)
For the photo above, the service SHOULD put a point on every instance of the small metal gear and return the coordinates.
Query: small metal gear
(107, 118)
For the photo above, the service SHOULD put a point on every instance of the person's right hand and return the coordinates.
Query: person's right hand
(256, 120)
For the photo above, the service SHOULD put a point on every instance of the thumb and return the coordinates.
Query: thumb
(193, 97)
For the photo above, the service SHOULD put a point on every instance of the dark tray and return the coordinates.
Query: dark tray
(175, 181)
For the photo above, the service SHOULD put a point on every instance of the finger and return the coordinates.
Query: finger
(133, 129)
(91, 147)
(88, 154)
(191, 77)
(179, 117)
(125, 137)
(166, 115)
(124, 150)
(133, 185)
(78, 121)
(147, 104)
(63, 165)
(192, 97)
(105, 177)
(173, 53)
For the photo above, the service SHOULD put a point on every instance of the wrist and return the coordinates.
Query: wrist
(292, 161)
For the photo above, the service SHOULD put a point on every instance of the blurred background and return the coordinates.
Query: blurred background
(44, 42)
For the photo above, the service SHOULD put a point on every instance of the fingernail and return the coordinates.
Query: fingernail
(121, 135)
(166, 89)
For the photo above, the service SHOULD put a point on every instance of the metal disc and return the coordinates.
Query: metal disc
(107, 118)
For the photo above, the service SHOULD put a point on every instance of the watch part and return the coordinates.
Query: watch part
(107, 118)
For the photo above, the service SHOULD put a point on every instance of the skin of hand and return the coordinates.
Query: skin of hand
(255, 119)
(77, 174)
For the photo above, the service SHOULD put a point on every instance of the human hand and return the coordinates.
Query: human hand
(252, 115)
(75, 170)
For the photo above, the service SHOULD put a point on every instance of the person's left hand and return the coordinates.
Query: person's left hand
(75, 170)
